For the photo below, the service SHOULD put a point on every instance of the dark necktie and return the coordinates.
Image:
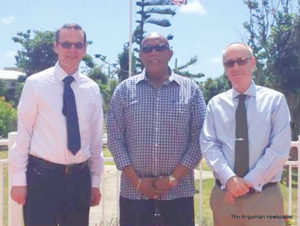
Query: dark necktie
(241, 162)
(70, 112)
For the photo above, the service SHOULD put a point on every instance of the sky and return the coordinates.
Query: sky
(201, 28)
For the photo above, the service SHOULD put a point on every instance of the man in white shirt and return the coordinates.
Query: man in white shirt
(56, 162)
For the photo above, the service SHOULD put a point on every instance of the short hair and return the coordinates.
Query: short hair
(70, 26)
(248, 48)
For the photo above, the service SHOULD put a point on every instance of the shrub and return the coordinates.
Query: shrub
(8, 117)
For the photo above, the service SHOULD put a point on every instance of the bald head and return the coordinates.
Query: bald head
(239, 45)
(155, 36)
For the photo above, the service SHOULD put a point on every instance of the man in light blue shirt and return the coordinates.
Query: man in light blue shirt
(250, 199)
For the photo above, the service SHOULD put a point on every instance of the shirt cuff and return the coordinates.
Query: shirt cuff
(18, 179)
(95, 181)
(254, 180)
(227, 173)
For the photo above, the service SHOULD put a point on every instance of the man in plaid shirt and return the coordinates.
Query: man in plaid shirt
(154, 122)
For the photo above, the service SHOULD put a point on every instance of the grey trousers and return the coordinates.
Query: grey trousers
(257, 209)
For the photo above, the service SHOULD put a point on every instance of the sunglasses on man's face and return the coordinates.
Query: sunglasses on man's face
(240, 61)
(68, 45)
(158, 48)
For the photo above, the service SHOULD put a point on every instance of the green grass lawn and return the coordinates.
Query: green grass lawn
(3, 154)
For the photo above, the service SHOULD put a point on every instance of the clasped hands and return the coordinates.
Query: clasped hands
(236, 187)
(153, 187)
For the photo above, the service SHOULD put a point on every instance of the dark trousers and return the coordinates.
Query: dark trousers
(177, 212)
(56, 197)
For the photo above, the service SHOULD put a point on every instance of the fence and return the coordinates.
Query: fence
(15, 211)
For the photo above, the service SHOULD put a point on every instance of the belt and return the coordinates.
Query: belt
(270, 184)
(67, 169)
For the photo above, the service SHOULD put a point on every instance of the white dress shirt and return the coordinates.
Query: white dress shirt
(269, 135)
(42, 130)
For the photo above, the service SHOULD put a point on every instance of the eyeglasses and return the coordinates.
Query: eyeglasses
(158, 48)
(240, 61)
(68, 45)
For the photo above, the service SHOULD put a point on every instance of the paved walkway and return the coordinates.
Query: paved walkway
(110, 199)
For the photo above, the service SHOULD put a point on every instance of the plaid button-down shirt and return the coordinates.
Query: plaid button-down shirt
(155, 129)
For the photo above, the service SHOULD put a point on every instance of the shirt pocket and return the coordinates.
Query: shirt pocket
(138, 113)
(177, 118)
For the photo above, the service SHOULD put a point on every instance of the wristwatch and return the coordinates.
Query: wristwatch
(173, 180)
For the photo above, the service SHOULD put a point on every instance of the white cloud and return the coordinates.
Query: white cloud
(216, 60)
(10, 54)
(193, 7)
(8, 20)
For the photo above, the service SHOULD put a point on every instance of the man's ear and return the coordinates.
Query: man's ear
(253, 63)
(170, 54)
(55, 46)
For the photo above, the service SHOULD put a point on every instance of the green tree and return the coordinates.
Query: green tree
(214, 86)
(186, 73)
(274, 35)
(37, 51)
(147, 12)
(8, 117)
(123, 60)
(96, 73)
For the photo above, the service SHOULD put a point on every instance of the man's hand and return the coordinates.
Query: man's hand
(19, 194)
(162, 184)
(237, 186)
(95, 197)
(148, 189)
(229, 197)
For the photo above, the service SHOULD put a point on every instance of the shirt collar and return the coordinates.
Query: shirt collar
(251, 91)
(61, 74)
(172, 77)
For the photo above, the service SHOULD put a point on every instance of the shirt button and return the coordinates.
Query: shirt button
(156, 145)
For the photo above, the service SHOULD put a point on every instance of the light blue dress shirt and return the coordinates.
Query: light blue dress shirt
(268, 132)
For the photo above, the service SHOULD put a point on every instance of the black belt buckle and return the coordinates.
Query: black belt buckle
(74, 167)
(68, 168)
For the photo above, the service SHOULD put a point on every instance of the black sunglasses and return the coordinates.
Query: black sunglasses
(240, 61)
(68, 45)
(158, 48)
